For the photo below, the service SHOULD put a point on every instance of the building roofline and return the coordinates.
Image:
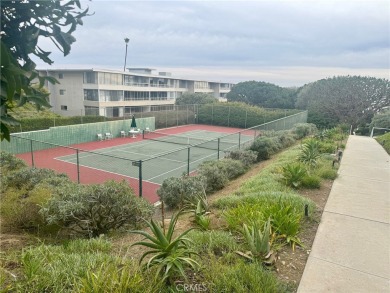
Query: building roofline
(81, 69)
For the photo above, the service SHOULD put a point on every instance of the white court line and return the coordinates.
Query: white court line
(180, 167)
(102, 170)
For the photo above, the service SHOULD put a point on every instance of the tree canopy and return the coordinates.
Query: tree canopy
(195, 99)
(262, 94)
(344, 99)
(22, 24)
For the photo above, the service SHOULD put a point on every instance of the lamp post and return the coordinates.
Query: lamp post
(127, 42)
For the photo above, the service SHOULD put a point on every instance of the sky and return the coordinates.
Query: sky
(288, 43)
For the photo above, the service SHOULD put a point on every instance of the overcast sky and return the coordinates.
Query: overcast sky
(289, 43)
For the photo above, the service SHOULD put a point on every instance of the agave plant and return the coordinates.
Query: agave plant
(293, 174)
(257, 239)
(171, 255)
(200, 211)
(258, 242)
(310, 153)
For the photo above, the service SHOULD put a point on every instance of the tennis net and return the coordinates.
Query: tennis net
(212, 143)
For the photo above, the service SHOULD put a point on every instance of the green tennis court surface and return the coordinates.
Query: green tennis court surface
(160, 159)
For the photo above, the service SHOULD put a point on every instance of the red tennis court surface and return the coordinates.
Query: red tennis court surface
(86, 175)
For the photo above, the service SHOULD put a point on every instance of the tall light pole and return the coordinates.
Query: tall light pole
(127, 42)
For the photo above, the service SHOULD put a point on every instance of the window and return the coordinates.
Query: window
(109, 96)
(60, 75)
(64, 107)
(91, 111)
(91, 95)
(110, 78)
(62, 92)
(90, 77)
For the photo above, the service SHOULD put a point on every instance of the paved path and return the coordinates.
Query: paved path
(351, 250)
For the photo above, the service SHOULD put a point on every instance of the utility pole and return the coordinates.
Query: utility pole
(127, 42)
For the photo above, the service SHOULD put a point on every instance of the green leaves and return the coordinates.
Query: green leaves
(23, 22)
(310, 153)
(170, 255)
(293, 174)
(258, 240)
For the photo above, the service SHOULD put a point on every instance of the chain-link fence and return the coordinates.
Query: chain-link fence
(87, 167)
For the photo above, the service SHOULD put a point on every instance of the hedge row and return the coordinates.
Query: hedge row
(239, 115)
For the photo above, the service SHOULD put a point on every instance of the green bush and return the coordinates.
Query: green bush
(326, 147)
(9, 163)
(310, 153)
(174, 192)
(212, 242)
(311, 182)
(96, 209)
(265, 147)
(217, 174)
(384, 140)
(327, 173)
(240, 277)
(247, 157)
(301, 130)
(293, 174)
(27, 178)
(20, 208)
(215, 177)
(286, 138)
(240, 115)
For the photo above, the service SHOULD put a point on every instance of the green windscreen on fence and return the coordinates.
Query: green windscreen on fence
(72, 134)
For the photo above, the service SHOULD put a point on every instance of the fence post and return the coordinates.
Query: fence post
(239, 140)
(32, 154)
(140, 177)
(218, 148)
(78, 166)
(212, 114)
(177, 116)
(188, 161)
(229, 117)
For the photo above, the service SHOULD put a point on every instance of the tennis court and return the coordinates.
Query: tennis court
(160, 155)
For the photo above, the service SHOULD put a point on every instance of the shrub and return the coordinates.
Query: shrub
(96, 209)
(265, 147)
(293, 174)
(9, 162)
(286, 138)
(240, 277)
(310, 153)
(327, 172)
(231, 168)
(311, 181)
(301, 130)
(212, 242)
(326, 147)
(215, 177)
(286, 221)
(20, 208)
(247, 157)
(384, 140)
(176, 191)
(27, 178)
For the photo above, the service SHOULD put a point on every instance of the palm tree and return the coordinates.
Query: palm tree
(127, 42)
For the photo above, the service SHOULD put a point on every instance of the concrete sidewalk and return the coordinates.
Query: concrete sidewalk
(350, 252)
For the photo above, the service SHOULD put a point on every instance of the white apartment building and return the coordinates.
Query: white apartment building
(117, 94)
